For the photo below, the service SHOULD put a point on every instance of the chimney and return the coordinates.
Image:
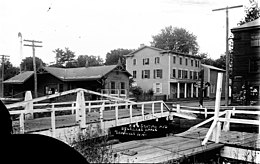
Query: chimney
(190, 51)
(142, 45)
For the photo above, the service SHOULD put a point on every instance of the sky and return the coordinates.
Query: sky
(95, 27)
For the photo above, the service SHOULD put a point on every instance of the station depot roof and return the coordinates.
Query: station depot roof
(69, 74)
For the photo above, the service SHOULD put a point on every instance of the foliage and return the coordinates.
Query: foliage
(113, 56)
(64, 56)
(252, 12)
(176, 39)
(206, 60)
(27, 63)
(91, 60)
(94, 148)
(150, 94)
(9, 70)
(137, 91)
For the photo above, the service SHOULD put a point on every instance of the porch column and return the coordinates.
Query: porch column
(197, 92)
(191, 90)
(178, 90)
(185, 90)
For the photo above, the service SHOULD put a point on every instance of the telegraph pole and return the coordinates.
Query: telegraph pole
(2, 75)
(227, 53)
(34, 63)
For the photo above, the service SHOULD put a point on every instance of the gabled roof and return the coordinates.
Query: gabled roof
(250, 25)
(161, 51)
(20, 78)
(72, 74)
(81, 73)
(212, 67)
(132, 53)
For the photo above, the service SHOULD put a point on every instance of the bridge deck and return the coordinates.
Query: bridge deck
(162, 149)
(181, 145)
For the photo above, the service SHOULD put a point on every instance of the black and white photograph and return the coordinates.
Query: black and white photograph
(130, 81)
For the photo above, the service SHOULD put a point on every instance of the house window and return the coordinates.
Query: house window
(180, 61)
(191, 62)
(254, 65)
(145, 74)
(179, 74)
(196, 65)
(122, 88)
(174, 59)
(195, 75)
(146, 61)
(157, 73)
(186, 61)
(174, 73)
(157, 87)
(113, 87)
(255, 40)
(134, 74)
(134, 61)
(191, 73)
(184, 74)
(157, 60)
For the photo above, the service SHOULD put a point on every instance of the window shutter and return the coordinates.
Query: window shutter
(154, 72)
(154, 87)
(148, 76)
(160, 87)
(143, 61)
(142, 74)
(161, 73)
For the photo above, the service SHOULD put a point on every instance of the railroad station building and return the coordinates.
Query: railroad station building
(112, 80)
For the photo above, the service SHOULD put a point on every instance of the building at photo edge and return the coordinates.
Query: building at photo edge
(246, 63)
(167, 72)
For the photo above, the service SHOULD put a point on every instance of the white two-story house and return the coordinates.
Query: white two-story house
(166, 72)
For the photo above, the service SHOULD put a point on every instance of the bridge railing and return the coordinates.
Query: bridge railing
(215, 128)
(208, 110)
(80, 107)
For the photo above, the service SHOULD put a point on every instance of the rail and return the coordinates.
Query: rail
(215, 128)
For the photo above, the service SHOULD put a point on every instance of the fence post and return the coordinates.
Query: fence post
(21, 120)
(143, 111)
(53, 126)
(205, 112)
(89, 106)
(29, 106)
(81, 109)
(101, 116)
(116, 113)
(178, 108)
(131, 113)
(153, 109)
(226, 125)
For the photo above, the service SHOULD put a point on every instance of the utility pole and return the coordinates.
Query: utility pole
(21, 49)
(34, 62)
(2, 75)
(227, 53)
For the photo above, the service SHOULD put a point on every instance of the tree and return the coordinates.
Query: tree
(176, 39)
(206, 60)
(27, 63)
(113, 56)
(64, 56)
(9, 70)
(91, 60)
(252, 12)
